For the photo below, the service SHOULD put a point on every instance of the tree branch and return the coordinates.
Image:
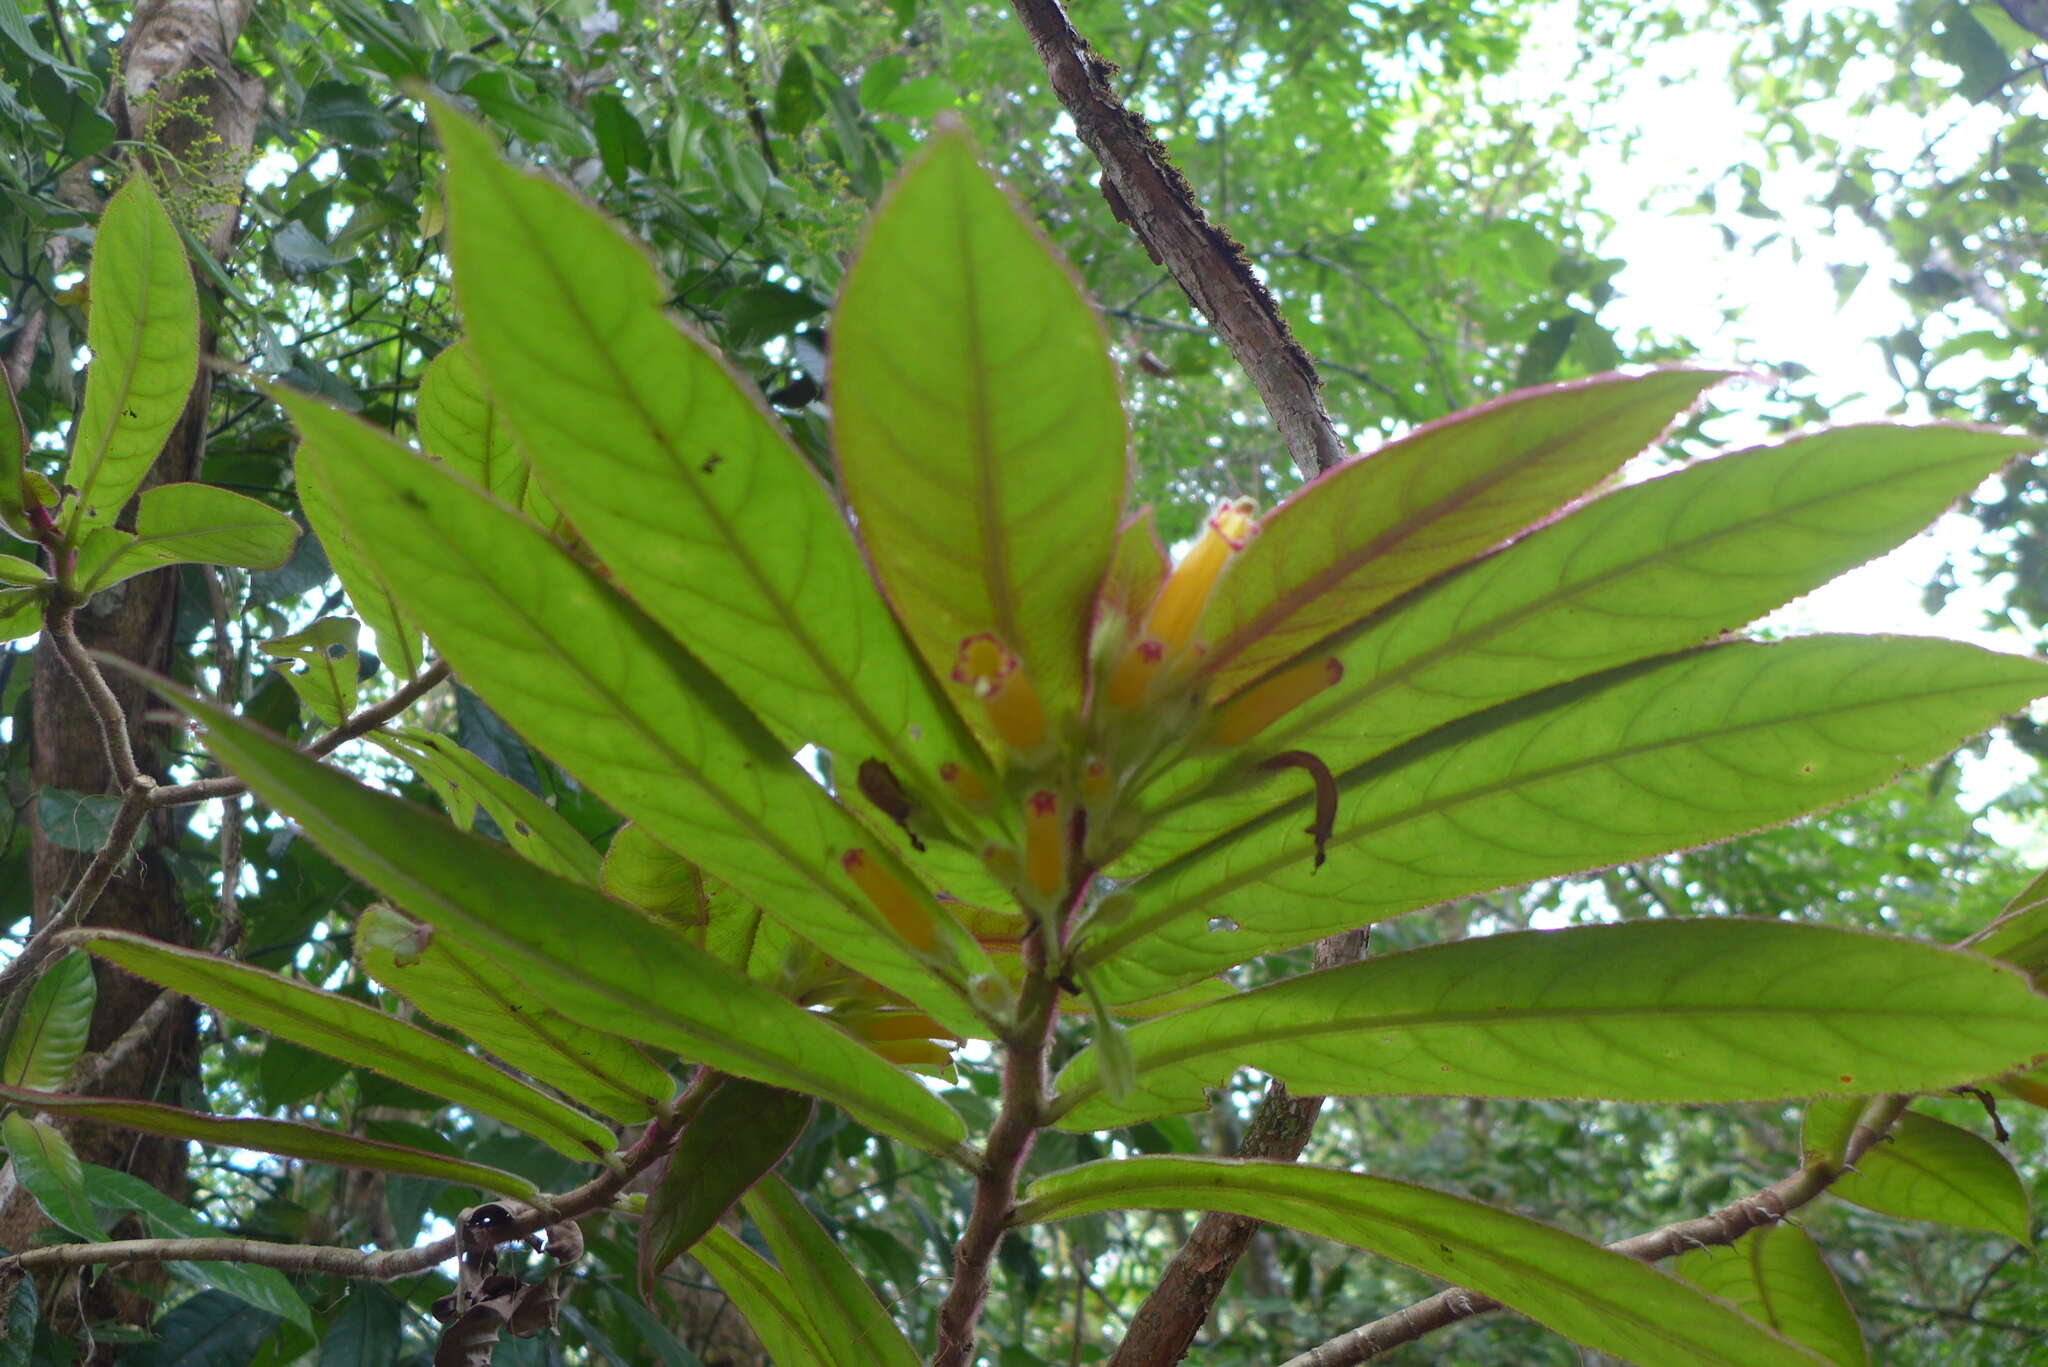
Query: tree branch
(1149, 195)
(1724, 1226)
(1164, 1329)
(381, 1266)
(367, 720)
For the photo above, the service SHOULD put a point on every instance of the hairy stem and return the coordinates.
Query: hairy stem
(1724, 1226)
(1002, 1161)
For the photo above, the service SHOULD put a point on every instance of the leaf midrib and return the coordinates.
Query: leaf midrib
(821, 661)
(1139, 925)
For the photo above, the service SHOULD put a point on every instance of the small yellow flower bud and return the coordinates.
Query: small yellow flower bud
(896, 903)
(988, 669)
(1186, 591)
(1045, 844)
(913, 1053)
(966, 784)
(903, 1025)
(1259, 706)
(1098, 784)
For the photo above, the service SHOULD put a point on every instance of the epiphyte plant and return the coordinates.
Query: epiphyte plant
(1077, 787)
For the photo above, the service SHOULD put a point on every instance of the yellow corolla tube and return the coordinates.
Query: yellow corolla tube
(1170, 626)
(994, 674)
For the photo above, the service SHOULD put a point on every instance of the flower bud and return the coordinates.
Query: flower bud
(993, 674)
(899, 907)
(1258, 707)
(1045, 845)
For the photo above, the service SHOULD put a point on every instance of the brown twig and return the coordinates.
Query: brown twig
(1149, 195)
(1764, 1207)
(381, 1266)
(369, 719)
(59, 627)
(120, 835)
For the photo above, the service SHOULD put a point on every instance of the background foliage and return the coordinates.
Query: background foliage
(1422, 205)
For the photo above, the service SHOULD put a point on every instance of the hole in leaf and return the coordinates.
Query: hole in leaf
(1222, 923)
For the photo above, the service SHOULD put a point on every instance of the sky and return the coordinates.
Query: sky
(1682, 277)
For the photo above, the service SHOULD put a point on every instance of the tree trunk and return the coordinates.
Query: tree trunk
(180, 94)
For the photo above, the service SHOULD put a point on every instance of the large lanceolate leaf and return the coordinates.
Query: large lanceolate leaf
(1375, 527)
(1710, 1010)
(50, 1035)
(1659, 566)
(310, 1142)
(707, 1173)
(144, 334)
(459, 424)
(977, 423)
(581, 672)
(646, 983)
(477, 997)
(355, 1032)
(672, 471)
(1925, 1169)
(179, 524)
(528, 824)
(1653, 757)
(1592, 1295)
(765, 1299)
(1776, 1276)
(398, 637)
(839, 1306)
(48, 1169)
(13, 446)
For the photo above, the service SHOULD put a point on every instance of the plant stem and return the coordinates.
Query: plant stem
(1009, 1143)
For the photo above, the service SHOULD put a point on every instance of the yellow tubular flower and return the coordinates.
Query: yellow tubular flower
(966, 784)
(898, 907)
(1186, 591)
(1098, 785)
(1045, 845)
(1259, 706)
(994, 675)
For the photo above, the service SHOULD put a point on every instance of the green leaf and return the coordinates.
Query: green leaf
(21, 612)
(51, 1032)
(1776, 1276)
(144, 334)
(18, 573)
(344, 1028)
(640, 871)
(707, 1173)
(13, 447)
(1136, 569)
(539, 832)
(841, 1308)
(76, 821)
(398, 638)
(673, 473)
(1925, 1169)
(266, 1288)
(1657, 566)
(1592, 1295)
(765, 1300)
(51, 1172)
(211, 1329)
(587, 677)
(487, 900)
(1663, 755)
(507, 1017)
(287, 1074)
(1375, 527)
(18, 1331)
(977, 423)
(366, 1332)
(327, 649)
(460, 426)
(309, 1142)
(1706, 1010)
(2020, 934)
(180, 524)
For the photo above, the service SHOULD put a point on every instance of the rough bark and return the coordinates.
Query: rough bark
(181, 93)
(1148, 194)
